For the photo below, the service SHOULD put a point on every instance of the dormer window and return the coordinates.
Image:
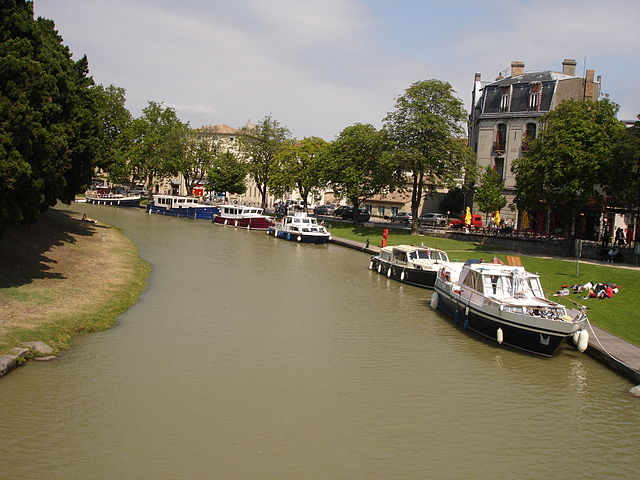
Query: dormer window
(535, 96)
(505, 99)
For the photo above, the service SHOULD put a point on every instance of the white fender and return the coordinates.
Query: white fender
(371, 265)
(402, 276)
(466, 311)
(249, 225)
(499, 336)
(379, 268)
(575, 337)
(434, 300)
(299, 238)
(583, 341)
(389, 273)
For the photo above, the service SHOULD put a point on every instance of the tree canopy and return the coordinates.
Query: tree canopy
(227, 174)
(159, 142)
(260, 143)
(49, 125)
(623, 178)
(426, 127)
(569, 159)
(358, 164)
(299, 165)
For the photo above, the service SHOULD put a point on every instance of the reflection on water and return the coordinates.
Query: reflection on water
(252, 357)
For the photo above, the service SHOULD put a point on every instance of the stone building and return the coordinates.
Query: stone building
(507, 110)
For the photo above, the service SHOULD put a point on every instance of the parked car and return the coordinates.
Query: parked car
(476, 222)
(363, 214)
(324, 210)
(433, 219)
(402, 217)
(340, 210)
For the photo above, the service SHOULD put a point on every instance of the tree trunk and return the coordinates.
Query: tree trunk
(416, 196)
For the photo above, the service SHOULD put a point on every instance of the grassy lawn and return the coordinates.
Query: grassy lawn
(61, 277)
(618, 315)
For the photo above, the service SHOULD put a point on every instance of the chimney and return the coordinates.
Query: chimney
(478, 77)
(588, 84)
(569, 67)
(517, 68)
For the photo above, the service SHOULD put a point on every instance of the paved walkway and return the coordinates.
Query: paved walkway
(614, 352)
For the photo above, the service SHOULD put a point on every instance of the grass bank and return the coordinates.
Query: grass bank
(62, 277)
(618, 315)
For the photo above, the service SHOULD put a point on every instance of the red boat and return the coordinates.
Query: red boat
(241, 216)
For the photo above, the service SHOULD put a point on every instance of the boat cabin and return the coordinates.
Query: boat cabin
(500, 281)
(410, 255)
(239, 211)
(300, 222)
(173, 201)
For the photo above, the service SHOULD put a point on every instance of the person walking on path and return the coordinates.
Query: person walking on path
(619, 240)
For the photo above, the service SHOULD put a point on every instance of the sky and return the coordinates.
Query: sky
(318, 66)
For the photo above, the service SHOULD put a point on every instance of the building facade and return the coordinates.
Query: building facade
(507, 111)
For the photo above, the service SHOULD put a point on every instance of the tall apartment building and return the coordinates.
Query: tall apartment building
(506, 111)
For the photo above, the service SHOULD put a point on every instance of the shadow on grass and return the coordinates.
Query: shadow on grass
(24, 249)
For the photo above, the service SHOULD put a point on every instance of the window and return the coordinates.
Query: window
(505, 99)
(531, 131)
(501, 138)
(535, 96)
(498, 166)
(381, 211)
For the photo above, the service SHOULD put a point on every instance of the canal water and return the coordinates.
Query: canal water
(249, 357)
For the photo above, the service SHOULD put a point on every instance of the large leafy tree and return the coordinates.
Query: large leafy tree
(260, 143)
(569, 159)
(623, 178)
(426, 127)
(115, 119)
(299, 165)
(489, 195)
(359, 165)
(49, 128)
(228, 174)
(159, 143)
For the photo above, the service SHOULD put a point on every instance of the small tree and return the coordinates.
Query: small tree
(197, 161)
(489, 195)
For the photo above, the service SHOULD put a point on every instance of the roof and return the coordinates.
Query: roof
(530, 77)
(220, 129)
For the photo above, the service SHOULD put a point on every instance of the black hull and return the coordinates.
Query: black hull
(540, 343)
(419, 278)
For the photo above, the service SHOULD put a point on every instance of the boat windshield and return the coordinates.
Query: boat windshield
(428, 255)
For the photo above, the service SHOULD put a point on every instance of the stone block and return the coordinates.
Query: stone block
(39, 348)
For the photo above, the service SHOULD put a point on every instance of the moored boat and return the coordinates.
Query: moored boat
(113, 196)
(299, 227)
(242, 216)
(179, 206)
(507, 304)
(409, 264)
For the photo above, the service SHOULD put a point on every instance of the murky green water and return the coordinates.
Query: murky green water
(249, 357)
